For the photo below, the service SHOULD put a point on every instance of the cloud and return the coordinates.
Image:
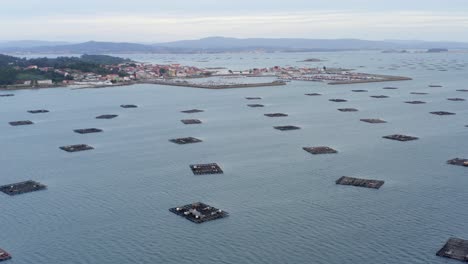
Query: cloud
(316, 24)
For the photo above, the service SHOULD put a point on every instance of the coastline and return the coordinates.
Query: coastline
(381, 78)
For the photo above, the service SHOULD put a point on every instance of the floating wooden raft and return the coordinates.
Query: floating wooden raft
(374, 184)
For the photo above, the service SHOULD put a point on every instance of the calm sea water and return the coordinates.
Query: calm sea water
(110, 205)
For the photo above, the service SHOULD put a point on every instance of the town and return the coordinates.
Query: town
(95, 71)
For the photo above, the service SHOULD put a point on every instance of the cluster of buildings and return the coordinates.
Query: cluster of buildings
(127, 72)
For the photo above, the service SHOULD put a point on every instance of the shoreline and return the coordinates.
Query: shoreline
(383, 78)
(190, 85)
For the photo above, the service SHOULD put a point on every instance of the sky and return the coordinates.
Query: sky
(153, 21)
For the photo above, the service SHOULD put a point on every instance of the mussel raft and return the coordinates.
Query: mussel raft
(186, 140)
(373, 184)
(191, 121)
(202, 169)
(199, 212)
(22, 187)
(76, 148)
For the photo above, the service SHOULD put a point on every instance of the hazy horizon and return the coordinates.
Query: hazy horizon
(146, 21)
(66, 42)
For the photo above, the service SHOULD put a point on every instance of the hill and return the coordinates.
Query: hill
(222, 44)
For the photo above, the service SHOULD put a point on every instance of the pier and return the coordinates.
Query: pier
(399, 137)
(286, 128)
(456, 99)
(373, 184)
(313, 94)
(4, 255)
(128, 106)
(359, 91)
(22, 187)
(202, 169)
(106, 116)
(442, 113)
(320, 150)
(276, 115)
(347, 109)
(187, 140)
(88, 130)
(253, 98)
(373, 120)
(458, 162)
(21, 123)
(192, 111)
(199, 212)
(419, 93)
(40, 111)
(191, 121)
(76, 148)
(455, 248)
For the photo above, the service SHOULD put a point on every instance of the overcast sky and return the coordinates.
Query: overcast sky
(158, 21)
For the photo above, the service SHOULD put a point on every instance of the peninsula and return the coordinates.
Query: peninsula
(99, 71)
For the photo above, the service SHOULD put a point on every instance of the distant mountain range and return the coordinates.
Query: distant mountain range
(221, 44)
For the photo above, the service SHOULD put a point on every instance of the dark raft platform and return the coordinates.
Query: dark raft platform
(76, 148)
(199, 212)
(106, 116)
(276, 115)
(379, 96)
(338, 100)
(373, 184)
(40, 111)
(128, 106)
(253, 98)
(187, 140)
(6, 95)
(22, 187)
(415, 102)
(455, 248)
(390, 88)
(462, 90)
(191, 121)
(21, 123)
(286, 128)
(4, 255)
(192, 111)
(419, 93)
(399, 137)
(458, 162)
(320, 150)
(359, 91)
(442, 113)
(88, 130)
(313, 94)
(347, 109)
(255, 105)
(202, 169)
(456, 99)
(435, 86)
(373, 120)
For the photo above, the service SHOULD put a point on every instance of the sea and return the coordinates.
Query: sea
(110, 205)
